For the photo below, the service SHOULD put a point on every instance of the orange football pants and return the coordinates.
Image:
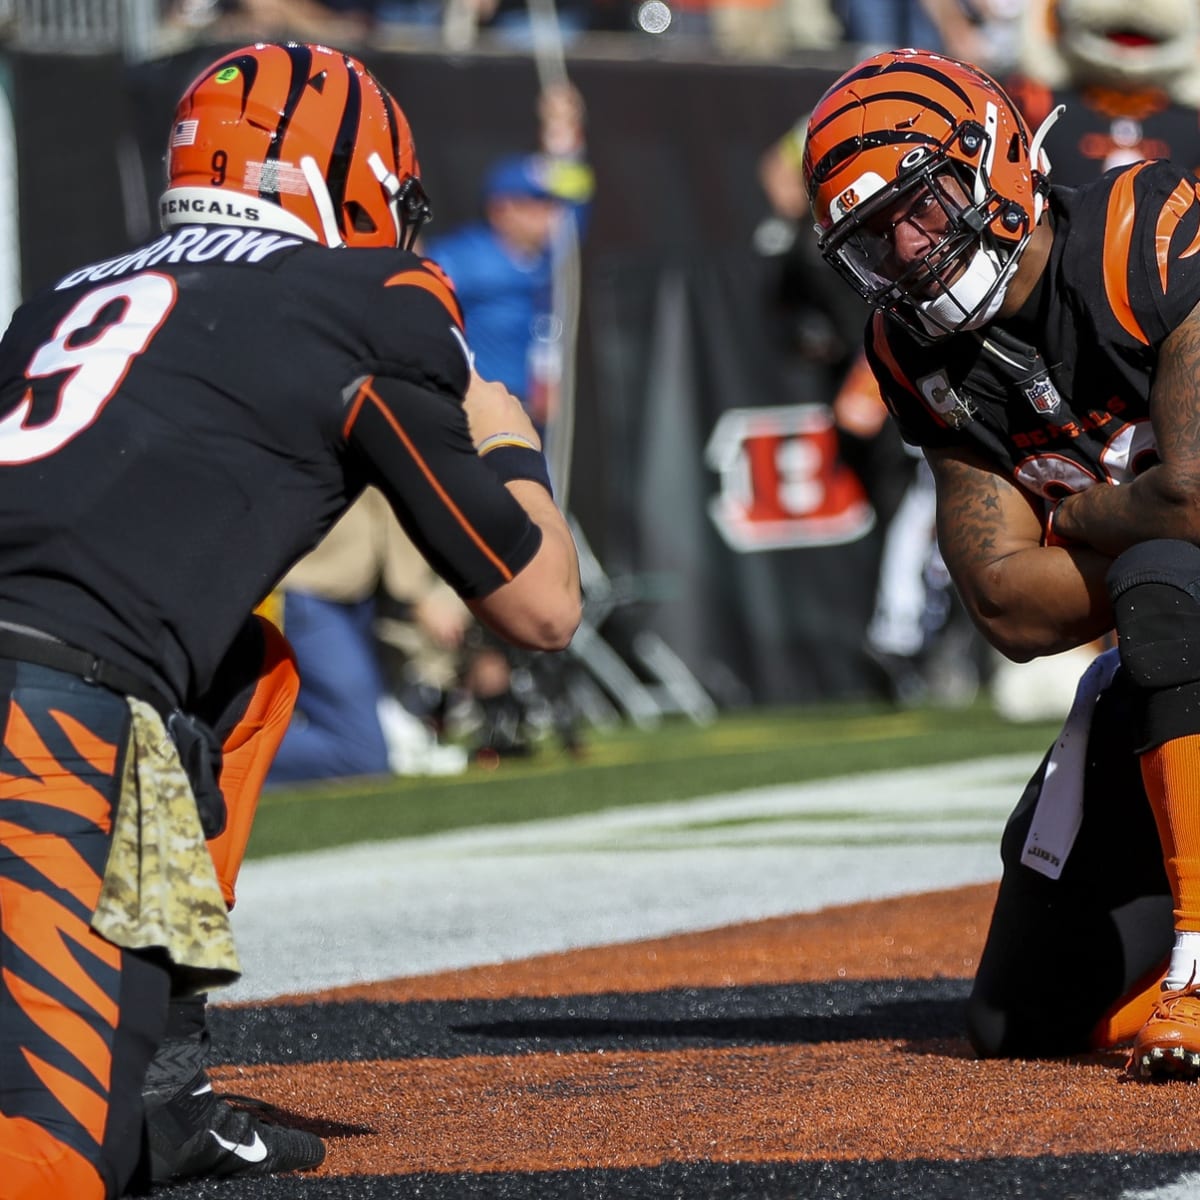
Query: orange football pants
(79, 1017)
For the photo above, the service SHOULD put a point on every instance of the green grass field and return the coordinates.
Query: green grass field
(678, 761)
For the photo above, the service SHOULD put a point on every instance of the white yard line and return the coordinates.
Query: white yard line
(419, 905)
(1186, 1187)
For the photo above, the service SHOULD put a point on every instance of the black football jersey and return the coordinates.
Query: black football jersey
(179, 424)
(1058, 396)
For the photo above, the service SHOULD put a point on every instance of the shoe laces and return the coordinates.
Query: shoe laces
(1170, 997)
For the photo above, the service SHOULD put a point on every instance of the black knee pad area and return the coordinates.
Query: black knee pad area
(1155, 593)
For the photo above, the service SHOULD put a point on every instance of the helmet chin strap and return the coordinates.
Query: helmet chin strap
(332, 235)
(954, 309)
(1039, 160)
(391, 185)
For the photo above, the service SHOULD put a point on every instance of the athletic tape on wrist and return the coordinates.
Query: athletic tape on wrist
(512, 461)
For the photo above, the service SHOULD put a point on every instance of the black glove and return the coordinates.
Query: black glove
(200, 753)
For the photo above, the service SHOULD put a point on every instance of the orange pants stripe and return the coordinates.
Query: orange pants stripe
(79, 1018)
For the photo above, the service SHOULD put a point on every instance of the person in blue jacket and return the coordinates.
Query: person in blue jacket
(503, 266)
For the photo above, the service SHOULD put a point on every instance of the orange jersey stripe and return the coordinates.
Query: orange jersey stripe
(366, 393)
(435, 284)
(1173, 211)
(360, 398)
(1118, 239)
(1194, 246)
(26, 1148)
(879, 344)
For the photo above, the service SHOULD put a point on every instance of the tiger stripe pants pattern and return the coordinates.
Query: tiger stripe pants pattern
(79, 1017)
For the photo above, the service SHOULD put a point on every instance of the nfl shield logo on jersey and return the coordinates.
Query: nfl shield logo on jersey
(1042, 394)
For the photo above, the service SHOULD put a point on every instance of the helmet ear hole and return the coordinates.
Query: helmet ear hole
(1014, 149)
(360, 220)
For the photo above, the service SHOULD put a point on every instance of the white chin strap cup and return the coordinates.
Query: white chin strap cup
(953, 310)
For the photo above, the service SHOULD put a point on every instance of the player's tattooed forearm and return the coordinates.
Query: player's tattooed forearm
(972, 513)
(1176, 400)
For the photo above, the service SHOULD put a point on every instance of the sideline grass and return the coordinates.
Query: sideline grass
(678, 761)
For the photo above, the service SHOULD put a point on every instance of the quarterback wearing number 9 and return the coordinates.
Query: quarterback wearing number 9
(178, 424)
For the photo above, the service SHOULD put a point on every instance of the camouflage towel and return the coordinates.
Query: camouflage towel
(160, 889)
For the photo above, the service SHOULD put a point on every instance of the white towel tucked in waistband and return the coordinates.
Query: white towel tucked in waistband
(1059, 812)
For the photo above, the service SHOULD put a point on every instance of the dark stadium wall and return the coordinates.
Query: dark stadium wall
(707, 487)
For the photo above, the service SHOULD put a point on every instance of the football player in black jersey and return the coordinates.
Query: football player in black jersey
(1042, 345)
(178, 424)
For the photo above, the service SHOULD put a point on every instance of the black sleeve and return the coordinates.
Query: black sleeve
(413, 443)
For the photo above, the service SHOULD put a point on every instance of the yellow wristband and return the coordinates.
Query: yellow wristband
(496, 440)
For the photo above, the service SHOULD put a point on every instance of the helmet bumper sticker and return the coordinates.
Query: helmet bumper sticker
(184, 133)
(281, 177)
(850, 198)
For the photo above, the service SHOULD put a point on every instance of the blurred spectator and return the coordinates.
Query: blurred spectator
(769, 28)
(951, 26)
(512, 20)
(347, 722)
(503, 266)
(811, 24)
(919, 638)
(328, 21)
(817, 328)
(1000, 24)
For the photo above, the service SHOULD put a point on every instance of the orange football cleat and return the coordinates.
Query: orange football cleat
(1168, 1044)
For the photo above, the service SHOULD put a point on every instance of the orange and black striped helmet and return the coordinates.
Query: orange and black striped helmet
(299, 138)
(898, 128)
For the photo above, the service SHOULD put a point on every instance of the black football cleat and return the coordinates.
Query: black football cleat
(200, 1133)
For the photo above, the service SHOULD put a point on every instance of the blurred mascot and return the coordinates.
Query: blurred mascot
(1128, 72)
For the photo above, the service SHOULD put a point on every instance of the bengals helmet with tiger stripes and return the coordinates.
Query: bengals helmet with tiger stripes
(297, 138)
(905, 131)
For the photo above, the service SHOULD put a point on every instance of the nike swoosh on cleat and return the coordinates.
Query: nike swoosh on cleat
(252, 1152)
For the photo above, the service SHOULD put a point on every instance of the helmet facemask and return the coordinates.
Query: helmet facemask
(959, 282)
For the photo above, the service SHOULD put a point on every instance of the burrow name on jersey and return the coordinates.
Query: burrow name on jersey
(191, 243)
